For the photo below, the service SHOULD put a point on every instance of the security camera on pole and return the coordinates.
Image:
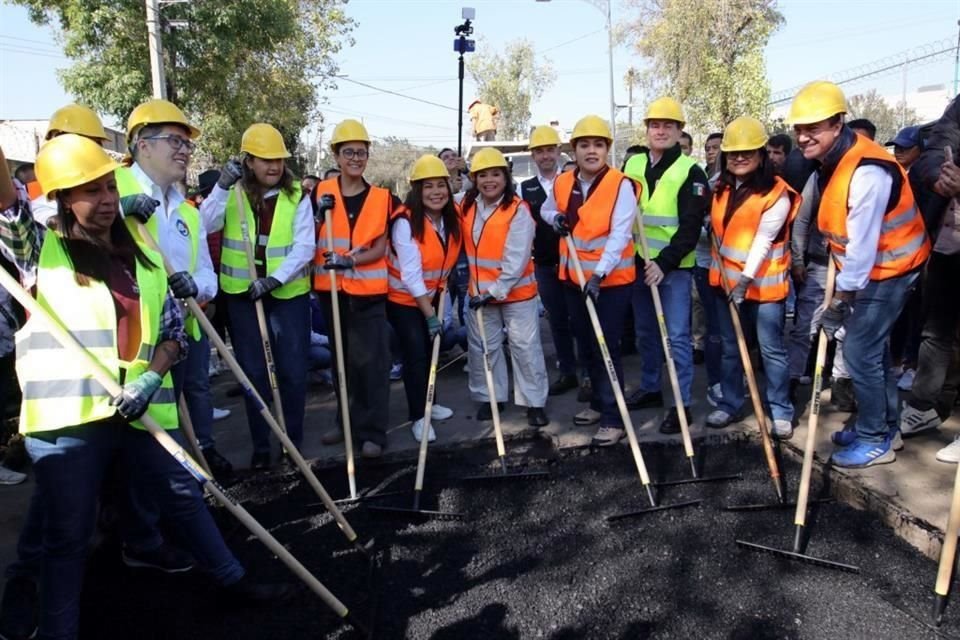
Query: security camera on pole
(463, 45)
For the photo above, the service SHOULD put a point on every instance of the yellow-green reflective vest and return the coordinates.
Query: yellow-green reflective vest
(128, 185)
(235, 276)
(59, 389)
(660, 216)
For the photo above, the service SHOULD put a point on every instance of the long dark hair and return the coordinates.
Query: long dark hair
(255, 190)
(509, 190)
(414, 203)
(759, 182)
(91, 258)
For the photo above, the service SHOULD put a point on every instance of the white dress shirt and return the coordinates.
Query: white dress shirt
(771, 222)
(213, 211)
(174, 239)
(517, 248)
(408, 254)
(867, 202)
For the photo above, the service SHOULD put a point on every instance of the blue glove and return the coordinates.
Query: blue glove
(560, 225)
(182, 285)
(229, 174)
(739, 292)
(434, 327)
(262, 286)
(592, 288)
(478, 301)
(139, 207)
(337, 261)
(133, 400)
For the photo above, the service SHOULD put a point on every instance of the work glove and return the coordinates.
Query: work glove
(133, 400)
(434, 327)
(262, 286)
(139, 207)
(830, 319)
(739, 292)
(560, 225)
(592, 288)
(478, 301)
(229, 174)
(324, 204)
(182, 285)
(337, 261)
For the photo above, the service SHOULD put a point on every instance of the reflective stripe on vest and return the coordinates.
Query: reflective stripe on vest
(363, 280)
(903, 245)
(58, 389)
(485, 257)
(592, 230)
(127, 185)
(737, 232)
(661, 219)
(436, 261)
(235, 276)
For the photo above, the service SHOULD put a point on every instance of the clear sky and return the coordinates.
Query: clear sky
(407, 46)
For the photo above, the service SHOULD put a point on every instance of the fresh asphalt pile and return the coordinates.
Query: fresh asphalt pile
(537, 559)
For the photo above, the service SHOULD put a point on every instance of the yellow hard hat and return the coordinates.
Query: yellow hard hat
(264, 141)
(428, 166)
(76, 118)
(743, 134)
(665, 108)
(591, 127)
(817, 101)
(69, 161)
(349, 131)
(544, 136)
(488, 158)
(157, 112)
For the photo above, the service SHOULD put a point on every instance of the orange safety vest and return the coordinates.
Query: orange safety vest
(736, 234)
(593, 227)
(363, 280)
(438, 256)
(485, 257)
(903, 244)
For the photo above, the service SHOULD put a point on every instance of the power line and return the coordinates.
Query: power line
(577, 39)
(376, 116)
(395, 93)
(31, 52)
(419, 86)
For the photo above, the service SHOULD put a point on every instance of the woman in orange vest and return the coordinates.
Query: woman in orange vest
(359, 215)
(595, 206)
(498, 232)
(425, 240)
(750, 218)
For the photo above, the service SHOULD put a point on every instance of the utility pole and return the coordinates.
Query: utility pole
(156, 49)
(631, 79)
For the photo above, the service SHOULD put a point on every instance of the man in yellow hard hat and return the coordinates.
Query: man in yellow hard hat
(866, 210)
(544, 146)
(674, 200)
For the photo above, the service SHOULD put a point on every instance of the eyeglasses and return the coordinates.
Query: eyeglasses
(746, 155)
(358, 154)
(176, 142)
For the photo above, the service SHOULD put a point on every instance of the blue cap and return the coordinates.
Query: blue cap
(907, 137)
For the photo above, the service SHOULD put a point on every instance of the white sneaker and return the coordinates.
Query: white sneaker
(782, 429)
(906, 380)
(896, 443)
(440, 412)
(719, 419)
(951, 452)
(714, 395)
(220, 414)
(914, 421)
(9, 476)
(417, 430)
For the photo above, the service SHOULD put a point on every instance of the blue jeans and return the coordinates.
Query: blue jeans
(288, 323)
(70, 465)
(192, 378)
(551, 294)
(713, 308)
(809, 297)
(675, 295)
(612, 306)
(866, 353)
(768, 320)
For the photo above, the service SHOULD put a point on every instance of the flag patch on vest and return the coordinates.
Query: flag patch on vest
(699, 189)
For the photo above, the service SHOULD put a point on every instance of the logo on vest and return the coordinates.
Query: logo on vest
(182, 228)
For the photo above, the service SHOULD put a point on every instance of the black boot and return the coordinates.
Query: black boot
(563, 384)
(485, 413)
(842, 396)
(247, 591)
(671, 423)
(537, 417)
(18, 609)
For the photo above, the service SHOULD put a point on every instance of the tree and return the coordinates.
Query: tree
(708, 55)
(390, 162)
(228, 64)
(888, 120)
(511, 81)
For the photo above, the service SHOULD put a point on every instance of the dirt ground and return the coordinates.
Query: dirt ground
(537, 559)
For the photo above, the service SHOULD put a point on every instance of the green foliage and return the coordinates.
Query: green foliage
(707, 54)
(510, 81)
(391, 160)
(888, 120)
(228, 64)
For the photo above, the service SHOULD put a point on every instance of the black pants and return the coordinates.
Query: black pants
(938, 376)
(411, 329)
(366, 355)
(9, 387)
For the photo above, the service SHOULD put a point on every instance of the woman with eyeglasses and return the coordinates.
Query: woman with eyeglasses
(359, 213)
(279, 221)
(750, 221)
